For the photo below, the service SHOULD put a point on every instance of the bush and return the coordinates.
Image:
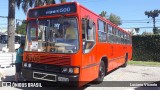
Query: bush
(146, 48)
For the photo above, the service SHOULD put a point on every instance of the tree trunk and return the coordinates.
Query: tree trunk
(11, 25)
(154, 22)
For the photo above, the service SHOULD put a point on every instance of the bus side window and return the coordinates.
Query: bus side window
(83, 29)
(102, 35)
(110, 34)
(88, 35)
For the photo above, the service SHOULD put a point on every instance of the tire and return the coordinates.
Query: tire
(126, 59)
(102, 73)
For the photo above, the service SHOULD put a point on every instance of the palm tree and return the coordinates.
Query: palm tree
(11, 25)
(29, 3)
(43, 2)
(153, 14)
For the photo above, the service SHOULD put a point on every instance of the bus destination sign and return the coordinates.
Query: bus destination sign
(62, 9)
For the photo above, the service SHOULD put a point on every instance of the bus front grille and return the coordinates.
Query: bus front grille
(46, 67)
(60, 60)
(56, 60)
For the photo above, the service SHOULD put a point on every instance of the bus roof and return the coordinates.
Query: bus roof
(106, 20)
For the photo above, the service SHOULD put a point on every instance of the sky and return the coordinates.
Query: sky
(131, 12)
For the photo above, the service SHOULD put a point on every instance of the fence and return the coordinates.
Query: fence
(7, 59)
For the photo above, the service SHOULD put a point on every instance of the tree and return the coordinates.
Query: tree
(62, 1)
(131, 32)
(25, 4)
(44, 2)
(21, 29)
(147, 33)
(115, 19)
(153, 15)
(11, 25)
(29, 3)
(112, 17)
(103, 14)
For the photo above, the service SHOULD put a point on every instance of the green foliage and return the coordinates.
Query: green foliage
(153, 15)
(115, 19)
(143, 63)
(112, 17)
(146, 48)
(103, 14)
(26, 4)
(62, 1)
(147, 33)
(21, 29)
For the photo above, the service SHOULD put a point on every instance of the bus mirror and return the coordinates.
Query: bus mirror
(90, 24)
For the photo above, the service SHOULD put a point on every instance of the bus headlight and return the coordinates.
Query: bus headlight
(29, 65)
(25, 65)
(70, 70)
(64, 70)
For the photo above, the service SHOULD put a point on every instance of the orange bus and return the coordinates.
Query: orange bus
(67, 42)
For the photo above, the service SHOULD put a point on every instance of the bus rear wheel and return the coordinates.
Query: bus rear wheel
(102, 73)
(126, 59)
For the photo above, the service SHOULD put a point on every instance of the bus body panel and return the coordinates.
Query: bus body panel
(90, 63)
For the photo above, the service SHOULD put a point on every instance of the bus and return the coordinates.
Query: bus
(4, 40)
(97, 46)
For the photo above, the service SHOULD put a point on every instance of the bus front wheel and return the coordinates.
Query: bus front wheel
(102, 73)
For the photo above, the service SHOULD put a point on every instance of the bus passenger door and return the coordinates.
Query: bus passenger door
(89, 50)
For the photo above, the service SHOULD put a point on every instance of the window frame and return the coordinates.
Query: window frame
(103, 31)
(86, 41)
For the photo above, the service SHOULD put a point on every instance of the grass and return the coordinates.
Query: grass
(144, 63)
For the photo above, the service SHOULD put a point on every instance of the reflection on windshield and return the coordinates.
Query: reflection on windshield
(52, 35)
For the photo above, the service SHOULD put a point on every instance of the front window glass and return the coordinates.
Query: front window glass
(58, 35)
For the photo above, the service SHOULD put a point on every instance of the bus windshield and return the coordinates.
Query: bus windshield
(56, 35)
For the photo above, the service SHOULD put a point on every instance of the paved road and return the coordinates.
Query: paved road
(130, 73)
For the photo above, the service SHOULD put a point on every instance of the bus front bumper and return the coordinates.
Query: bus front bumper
(32, 75)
